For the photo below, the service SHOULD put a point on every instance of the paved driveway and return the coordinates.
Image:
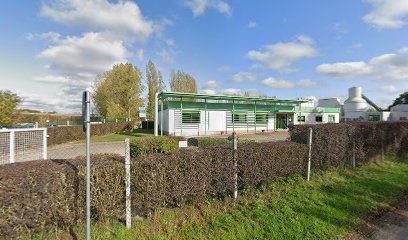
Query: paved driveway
(66, 151)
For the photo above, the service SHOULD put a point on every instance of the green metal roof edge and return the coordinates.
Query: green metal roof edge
(164, 95)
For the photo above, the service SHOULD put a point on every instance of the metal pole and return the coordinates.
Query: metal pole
(354, 154)
(309, 162)
(45, 144)
(12, 141)
(156, 114)
(233, 112)
(181, 120)
(127, 180)
(88, 167)
(255, 116)
(235, 157)
(205, 117)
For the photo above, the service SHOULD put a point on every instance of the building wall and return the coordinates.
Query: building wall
(310, 118)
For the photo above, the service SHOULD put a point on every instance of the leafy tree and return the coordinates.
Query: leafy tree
(118, 92)
(8, 104)
(155, 84)
(182, 82)
(402, 99)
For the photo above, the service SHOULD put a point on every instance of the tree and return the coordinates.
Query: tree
(402, 99)
(155, 84)
(118, 92)
(8, 105)
(182, 82)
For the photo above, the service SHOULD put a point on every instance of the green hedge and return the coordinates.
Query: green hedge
(209, 141)
(59, 135)
(333, 143)
(147, 145)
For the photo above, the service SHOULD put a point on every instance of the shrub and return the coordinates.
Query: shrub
(147, 145)
(184, 177)
(333, 143)
(209, 141)
(66, 134)
(39, 194)
(148, 124)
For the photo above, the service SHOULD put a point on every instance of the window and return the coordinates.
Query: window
(332, 118)
(239, 117)
(373, 117)
(301, 119)
(319, 118)
(192, 117)
(403, 118)
(261, 118)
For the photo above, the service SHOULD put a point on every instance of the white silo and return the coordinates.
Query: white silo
(355, 107)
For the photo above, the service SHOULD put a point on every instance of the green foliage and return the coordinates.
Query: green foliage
(182, 82)
(8, 104)
(155, 84)
(118, 92)
(209, 141)
(402, 99)
(148, 145)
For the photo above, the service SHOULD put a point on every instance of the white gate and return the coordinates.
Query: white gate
(19, 145)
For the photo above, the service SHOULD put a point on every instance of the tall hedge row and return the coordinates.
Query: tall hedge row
(39, 194)
(185, 177)
(58, 135)
(335, 144)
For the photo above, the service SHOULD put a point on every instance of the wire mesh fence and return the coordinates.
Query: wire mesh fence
(20, 145)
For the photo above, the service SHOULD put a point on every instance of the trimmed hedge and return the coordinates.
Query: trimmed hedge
(333, 143)
(188, 177)
(209, 141)
(39, 194)
(147, 145)
(59, 135)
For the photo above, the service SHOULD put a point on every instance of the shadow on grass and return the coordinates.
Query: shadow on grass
(139, 133)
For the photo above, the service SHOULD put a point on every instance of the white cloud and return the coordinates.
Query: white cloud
(209, 91)
(391, 14)
(199, 7)
(251, 24)
(281, 56)
(52, 36)
(140, 55)
(89, 54)
(122, 18)
(286, 84)
(232, 91)
(386, 67)
(224, 69)
(243, 77)
(211, 85)
(170, 42)
(167, 55)
(389, 89)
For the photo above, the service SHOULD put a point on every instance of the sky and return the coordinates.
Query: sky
(52, 50)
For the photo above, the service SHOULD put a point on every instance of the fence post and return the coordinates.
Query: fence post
(44, 153)
(309, 160)
(354, 154)
(127, 180)
(12, 140)
(235, 157)
(382, 148)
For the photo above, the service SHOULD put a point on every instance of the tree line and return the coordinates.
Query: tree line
(118, 92)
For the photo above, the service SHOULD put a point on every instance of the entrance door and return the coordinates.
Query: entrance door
(283, 120)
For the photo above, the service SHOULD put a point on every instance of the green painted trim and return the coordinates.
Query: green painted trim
(166, 95)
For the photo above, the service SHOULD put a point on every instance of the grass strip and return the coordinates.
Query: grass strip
(329, 206)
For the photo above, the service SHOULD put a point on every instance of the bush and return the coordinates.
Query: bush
(146, 145)
(39, 194)
(148, 124)
(59, 135)
(209, 141)
(333, 143)
(188, 177)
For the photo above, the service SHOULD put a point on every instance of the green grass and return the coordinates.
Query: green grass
(329, 206)
(116, 137)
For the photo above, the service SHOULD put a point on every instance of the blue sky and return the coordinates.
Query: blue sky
(51, 50)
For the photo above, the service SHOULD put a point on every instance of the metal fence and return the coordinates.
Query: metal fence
(20, 145)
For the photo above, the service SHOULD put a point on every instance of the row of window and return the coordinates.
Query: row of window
(193, 117)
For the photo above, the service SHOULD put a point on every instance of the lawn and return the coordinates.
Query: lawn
(329, 206)
(116, 137)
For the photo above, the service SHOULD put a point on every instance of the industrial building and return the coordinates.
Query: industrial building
(189, 114)
(358, 107)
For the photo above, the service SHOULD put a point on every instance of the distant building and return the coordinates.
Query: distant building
(356, 108)
(188, 114)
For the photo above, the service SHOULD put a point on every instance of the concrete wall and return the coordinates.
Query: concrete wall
(310, 118)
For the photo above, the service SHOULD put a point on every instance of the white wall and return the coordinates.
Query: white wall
(310, 118)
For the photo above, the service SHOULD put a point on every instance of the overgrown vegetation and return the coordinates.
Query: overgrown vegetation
(290, 208)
